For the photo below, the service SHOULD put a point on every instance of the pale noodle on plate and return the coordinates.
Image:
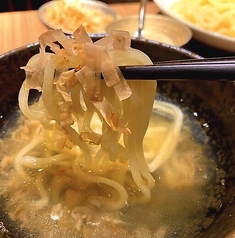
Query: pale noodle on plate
(214, 15)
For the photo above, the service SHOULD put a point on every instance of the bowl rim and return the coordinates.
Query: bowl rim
(184, 51)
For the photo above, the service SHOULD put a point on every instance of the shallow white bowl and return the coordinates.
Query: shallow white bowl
(156, 27)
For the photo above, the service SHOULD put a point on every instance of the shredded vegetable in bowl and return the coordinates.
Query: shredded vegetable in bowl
(68, 15)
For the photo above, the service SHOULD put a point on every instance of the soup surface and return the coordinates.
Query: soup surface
(55, 201)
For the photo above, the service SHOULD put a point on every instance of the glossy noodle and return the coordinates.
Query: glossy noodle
(68, 112)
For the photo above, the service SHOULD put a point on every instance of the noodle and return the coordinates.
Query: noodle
(214, 15)
(173, 136)
(101, 201)
(21, 154)
(44, 199)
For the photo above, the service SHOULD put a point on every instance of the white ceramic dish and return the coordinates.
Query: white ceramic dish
(156, 27)
(92, 14)
(210, 38)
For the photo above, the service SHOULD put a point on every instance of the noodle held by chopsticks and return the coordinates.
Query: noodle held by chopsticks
(74, 99)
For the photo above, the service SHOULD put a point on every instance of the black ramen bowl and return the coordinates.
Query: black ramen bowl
(214, 103)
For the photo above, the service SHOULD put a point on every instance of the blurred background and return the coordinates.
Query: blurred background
(21, 5)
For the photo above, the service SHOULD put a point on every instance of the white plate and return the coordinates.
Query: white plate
(208, 37)
(91, 5)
